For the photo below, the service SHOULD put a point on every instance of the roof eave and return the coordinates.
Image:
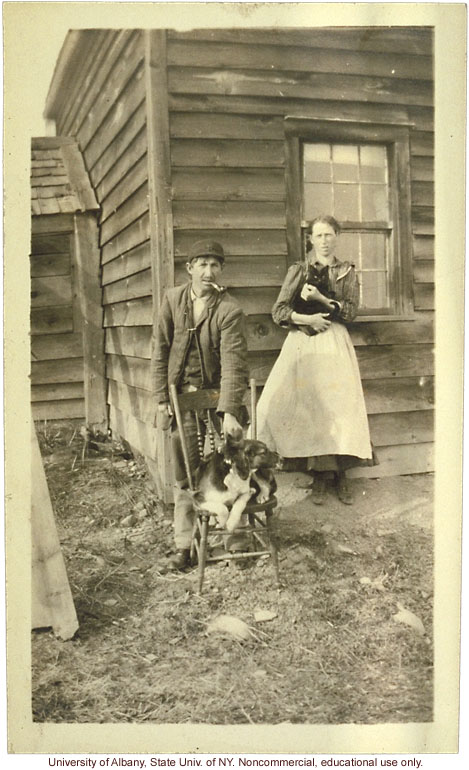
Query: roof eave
(69, 62)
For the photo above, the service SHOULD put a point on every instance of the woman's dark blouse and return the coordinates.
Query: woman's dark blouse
(343, 283)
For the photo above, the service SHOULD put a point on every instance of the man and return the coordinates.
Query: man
(200, 343)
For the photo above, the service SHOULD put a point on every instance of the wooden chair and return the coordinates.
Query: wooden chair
(259, 530)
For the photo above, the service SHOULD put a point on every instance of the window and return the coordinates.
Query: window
(359, 174)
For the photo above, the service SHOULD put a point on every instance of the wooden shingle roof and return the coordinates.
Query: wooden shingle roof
(59, 181)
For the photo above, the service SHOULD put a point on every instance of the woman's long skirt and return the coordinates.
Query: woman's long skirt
(312, 403)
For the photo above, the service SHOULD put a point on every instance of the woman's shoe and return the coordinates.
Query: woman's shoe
(318, 492)
(344, 493)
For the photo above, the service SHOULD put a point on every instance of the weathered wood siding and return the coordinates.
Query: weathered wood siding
(56, 336)
(229, 92)
(106, 113)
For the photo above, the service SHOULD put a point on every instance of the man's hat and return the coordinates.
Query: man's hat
(207, 249)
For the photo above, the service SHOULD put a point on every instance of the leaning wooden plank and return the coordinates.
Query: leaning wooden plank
(402, 428)
(131, 287)
(78, 175)
(226, 153)
(127, 264)
(244, 271)
(139, 434)
(302, 85)
(51, 320)
(129, 341)
(49, 264)
(228, 184)
(190, 53)
(235, 241)
(416, 41)
(71, 409)
(235, 214)
(136, 312)
(399, 461)
(54, 346)
(129, 370)
(51, 290)
(61, 391)
(64, 370)
(140, 403)
(51, 598)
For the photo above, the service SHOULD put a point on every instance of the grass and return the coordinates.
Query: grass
(332, 655)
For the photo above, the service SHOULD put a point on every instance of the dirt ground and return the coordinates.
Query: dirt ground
(351, 636)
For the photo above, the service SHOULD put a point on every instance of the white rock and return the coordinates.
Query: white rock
(230, 627)
(261, 615)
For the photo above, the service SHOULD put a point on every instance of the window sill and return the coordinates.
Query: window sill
(370, 318)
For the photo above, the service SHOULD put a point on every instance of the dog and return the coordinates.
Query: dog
(223, 484)
(262, 462)
(238, 472)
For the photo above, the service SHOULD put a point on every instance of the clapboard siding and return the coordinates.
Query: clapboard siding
(56, 338)
(396, 41)
(229, 92)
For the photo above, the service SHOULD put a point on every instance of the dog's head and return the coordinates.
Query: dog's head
(259, 455)
(233, 453)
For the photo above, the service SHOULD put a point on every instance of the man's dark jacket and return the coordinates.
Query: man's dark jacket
(221, 333)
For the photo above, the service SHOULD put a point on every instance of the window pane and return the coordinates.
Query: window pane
(345, 162)
(373, 249)
(374, 290)
(317, 166)
(347, 247)
(317, 200)
(374, 202)
(346, 202)
(373, 163)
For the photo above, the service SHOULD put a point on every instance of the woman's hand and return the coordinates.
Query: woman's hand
(310, 292)
(319, 322)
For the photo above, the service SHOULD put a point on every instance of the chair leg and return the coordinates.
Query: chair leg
(272, 547)
(203, 549)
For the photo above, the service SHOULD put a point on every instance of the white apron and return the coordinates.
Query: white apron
(312, 403)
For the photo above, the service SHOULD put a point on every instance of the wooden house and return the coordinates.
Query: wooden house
(67, 373)
(241, 135)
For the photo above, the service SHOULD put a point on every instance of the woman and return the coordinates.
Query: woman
(312, 405)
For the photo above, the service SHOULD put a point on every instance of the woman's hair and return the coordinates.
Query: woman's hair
(325, 219)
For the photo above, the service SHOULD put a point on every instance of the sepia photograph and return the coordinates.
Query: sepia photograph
(231, 339)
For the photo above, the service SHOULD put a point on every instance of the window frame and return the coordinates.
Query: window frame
(395, 137)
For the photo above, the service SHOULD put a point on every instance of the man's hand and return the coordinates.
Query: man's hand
(231, 426)
(319, 322)
(164, 416)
